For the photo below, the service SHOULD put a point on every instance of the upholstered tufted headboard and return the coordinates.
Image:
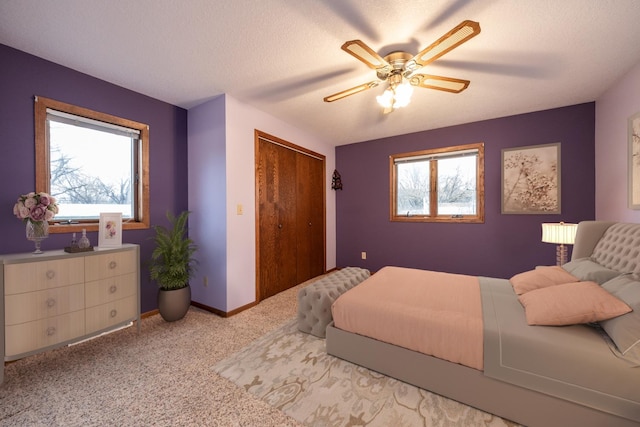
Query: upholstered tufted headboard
(614, 245)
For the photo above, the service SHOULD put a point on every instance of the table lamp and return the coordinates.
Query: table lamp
(561, 234)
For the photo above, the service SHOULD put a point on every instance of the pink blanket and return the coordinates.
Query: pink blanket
(439, 314)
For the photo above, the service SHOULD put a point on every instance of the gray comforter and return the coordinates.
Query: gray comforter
(574, 363)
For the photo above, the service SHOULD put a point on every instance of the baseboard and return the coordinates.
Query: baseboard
(223, 313)
(149, 313)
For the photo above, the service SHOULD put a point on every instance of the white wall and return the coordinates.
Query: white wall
(240, 122)
(613, 109)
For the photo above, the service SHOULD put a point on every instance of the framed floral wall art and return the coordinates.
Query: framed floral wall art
(634, 161)
(531, 179)
(110, 229)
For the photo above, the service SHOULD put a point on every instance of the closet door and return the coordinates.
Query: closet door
(290, 224)
(310, 217)
(277, 245)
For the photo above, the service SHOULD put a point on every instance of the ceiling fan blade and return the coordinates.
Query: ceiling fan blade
(352, 91)
(447, 84)
(454, 38)
(364, 53)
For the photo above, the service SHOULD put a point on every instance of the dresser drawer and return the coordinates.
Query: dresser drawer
(109, 265)
(112, 313)
(39, 275)
(111, 289)
(31, 336)
(30, 306)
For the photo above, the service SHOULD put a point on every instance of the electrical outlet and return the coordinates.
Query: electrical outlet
(205, 281)
(364, 255)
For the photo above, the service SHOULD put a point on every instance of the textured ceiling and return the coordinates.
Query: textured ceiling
(284, 56)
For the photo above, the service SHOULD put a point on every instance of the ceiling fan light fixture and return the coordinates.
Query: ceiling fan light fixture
(403, 95)
(386, 99)
(396, 96)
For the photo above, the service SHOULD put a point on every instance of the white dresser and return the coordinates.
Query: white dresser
(58, 298)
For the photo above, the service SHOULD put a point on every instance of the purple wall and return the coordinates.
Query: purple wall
(23, 76)
(504, 244)
(208, 175)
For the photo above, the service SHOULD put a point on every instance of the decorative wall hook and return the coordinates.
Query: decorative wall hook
(336, 184)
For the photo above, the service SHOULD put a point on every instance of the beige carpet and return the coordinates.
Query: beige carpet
(161, 377)
(291, 371)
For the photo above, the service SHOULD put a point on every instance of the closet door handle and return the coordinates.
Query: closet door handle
(309, 224)
(279, 225)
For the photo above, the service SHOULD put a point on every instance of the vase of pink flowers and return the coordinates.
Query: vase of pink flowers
(36, 210)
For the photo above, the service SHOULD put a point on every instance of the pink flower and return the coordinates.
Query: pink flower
(20, 210)
(38, 213)
(35, 207)
(30, 202)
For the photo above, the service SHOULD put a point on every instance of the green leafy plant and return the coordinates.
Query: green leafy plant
(172, 262)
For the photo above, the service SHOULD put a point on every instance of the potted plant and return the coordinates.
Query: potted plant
(172, 264)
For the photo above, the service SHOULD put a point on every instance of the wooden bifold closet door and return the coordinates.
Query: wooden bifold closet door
(290, 211)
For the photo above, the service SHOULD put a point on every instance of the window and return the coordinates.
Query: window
(91, 162)
(438, 185)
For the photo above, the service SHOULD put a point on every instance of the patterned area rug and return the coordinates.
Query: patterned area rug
(291, 371)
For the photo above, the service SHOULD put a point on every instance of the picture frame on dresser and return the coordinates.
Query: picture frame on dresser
(634, 161)
(110, 229)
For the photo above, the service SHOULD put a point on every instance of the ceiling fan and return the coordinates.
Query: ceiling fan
(399, 68)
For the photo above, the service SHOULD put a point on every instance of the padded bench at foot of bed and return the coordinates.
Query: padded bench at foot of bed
(314, 301)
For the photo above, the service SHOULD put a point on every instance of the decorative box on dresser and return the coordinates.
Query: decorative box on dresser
(58, 298)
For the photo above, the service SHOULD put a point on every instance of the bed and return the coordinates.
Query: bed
(534, 374)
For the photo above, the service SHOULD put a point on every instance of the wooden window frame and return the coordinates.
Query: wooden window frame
(433, 198)
(141, 218)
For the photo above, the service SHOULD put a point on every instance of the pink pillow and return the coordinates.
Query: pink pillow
(571, 303)
(541, 277)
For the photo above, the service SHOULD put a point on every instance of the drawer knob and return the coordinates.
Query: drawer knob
(51, 302)
(113, 289)
(113, 313)
(51, 274)
(51, 330)
(113, 265)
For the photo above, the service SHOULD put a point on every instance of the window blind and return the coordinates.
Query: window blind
(436, 156)
(70, 119)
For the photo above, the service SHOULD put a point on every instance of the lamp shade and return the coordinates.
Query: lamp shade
(559, 233)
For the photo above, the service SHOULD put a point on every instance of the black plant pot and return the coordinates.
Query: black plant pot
(174, 304)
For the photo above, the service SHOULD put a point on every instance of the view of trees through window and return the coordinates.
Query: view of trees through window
(457, 186)
(91, 171)
(413, 188)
